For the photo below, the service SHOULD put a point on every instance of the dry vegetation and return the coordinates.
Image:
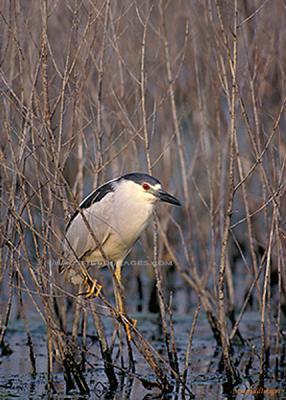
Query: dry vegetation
(194, 93)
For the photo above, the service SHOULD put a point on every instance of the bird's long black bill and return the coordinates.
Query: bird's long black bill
(168, 198)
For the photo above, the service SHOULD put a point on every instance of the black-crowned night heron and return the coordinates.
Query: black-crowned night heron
(107, 224)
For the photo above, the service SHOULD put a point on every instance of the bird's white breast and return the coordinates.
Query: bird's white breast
(117, 221)
(131, 214)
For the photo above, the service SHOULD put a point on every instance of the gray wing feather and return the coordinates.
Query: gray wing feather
(94, 197)
(79, 240)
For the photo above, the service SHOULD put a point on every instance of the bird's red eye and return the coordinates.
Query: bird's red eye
(146, 186)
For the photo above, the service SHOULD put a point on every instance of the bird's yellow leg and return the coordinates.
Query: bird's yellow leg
(93, 287)
(119, 299)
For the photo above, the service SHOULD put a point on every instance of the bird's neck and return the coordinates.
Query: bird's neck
(132, 212)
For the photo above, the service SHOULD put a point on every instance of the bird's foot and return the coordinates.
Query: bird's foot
(93, 287)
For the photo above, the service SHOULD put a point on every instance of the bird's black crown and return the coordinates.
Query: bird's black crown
(140, 177)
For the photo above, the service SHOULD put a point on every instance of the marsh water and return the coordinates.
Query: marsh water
(205, 377)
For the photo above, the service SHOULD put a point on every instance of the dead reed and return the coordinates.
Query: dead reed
(193, 93)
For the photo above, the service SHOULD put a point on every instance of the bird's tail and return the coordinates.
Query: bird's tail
(71, 272)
